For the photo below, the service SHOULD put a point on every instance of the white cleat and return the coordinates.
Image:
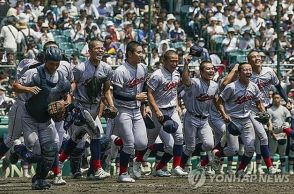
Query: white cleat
(125, 178)
(209, 171)
(137, 169)
(241, 174)
(291, 172)
(178, 171)
(259, 171)
(58, 180)
(145, 168)
(272, 170)
(162, 173)
(101, 174)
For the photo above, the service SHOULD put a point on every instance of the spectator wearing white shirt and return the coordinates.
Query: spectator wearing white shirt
(9, 34)
(45, 34)
(214, 29)
(71, 8)
(240, 20)
(257, 21)
(169, 24)
(78, 34)
(90, 8)
(37, 9)
(104, 9)
(230, 43)
(177, 34)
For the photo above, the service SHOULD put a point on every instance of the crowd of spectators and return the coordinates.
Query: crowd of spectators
(225, 30)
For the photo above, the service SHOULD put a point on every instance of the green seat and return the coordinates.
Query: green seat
(56, 32)
(3, 130)
(65, 46)
(82, 58)
(3, 120)
(79, 45)
(69, 52)
(67, 33)
(61, 39)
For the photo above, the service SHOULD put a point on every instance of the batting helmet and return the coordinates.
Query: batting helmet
(234, 129)
(169, 125)
(53, 54)
(149, 122)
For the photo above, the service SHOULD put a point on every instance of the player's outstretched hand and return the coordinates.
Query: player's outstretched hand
(227, 118)
(34, 90)
(142, 96)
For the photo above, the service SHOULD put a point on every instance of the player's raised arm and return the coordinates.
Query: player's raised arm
(186, 75)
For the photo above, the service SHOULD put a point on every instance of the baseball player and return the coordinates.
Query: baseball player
(199, 95)
(91, 77)
(128, 80)
(163, 99)
(40, 86)
(234, 104)
(23, 66)
(281, 118)
(264, 78)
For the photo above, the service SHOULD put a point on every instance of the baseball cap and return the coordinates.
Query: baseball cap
(169, 125)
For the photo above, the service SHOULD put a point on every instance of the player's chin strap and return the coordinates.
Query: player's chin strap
(282, 92)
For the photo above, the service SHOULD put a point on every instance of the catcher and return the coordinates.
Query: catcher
(40, 87)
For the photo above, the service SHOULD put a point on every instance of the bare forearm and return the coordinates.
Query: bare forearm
(186, 77)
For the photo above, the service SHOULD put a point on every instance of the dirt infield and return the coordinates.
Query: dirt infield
(147, 185)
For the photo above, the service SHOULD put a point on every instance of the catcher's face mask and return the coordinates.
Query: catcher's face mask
(52, 66)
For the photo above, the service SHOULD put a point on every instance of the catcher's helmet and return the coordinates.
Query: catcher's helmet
(53, 54)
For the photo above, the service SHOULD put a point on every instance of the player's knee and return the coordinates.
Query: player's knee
(169, 150)
(249, 150)
(189, 150)
(207, 146)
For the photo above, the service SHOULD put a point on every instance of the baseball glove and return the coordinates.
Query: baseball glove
(234, 129)
(263, 117)
(57, 110)
(110, 112)
(94, 87)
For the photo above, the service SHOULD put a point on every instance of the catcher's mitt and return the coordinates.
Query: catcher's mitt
(262, 117)
(110, 112)
(57, 110)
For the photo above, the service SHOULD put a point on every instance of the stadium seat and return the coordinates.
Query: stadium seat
(79, 45)
(61, 39)
(56, 32)
(66, 46)
(67, 33)
(82, 58)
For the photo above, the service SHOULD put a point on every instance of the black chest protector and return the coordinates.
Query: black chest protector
(37, 105)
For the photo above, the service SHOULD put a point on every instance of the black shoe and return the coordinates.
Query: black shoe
(40, 184)
(13, 158)
(77, 175)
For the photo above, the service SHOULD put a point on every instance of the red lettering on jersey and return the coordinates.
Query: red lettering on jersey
(263, 84)
(135, 82)
(204, 97)
(170, 86)
(243, 99)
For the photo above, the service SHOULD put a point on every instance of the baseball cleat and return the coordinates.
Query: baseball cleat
(58, 180)
(13, 158)
(272, 170)
(178, 171)
(40, 184)
(259, 171)
(101, 174)
(136, 169)
(77, 175)
(125, 178)
(291, 172)
(145, 168)
(162, 173)
(230, 172)
(209, 171)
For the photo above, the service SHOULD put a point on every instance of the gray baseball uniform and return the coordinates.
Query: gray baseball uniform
(238, 99)
(198, 99)
(264, 81)
(165, 84)
(129, 122)
(278, 117)
(82, 74)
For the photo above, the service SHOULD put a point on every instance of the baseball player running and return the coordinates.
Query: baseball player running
(92, 79)
(199, 95)
(281, 119)
(40, 86)
(128, 80)
(163, 99)
(234, 104)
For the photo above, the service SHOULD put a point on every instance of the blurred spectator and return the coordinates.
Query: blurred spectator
(64, 22)
(193, 9)
(45, 34)
(160, 30)
(104, 9)
(177, 34)
(38, 24)
(5, 101)
(37, 8)
(169, 24)
(82, 18)
(240, 20)
(72, 9)
(257, 21)
(9, 35)
(154, 57)
(59, 9)
(163, 47)
(50, 19)
(231, 24)
(230, 43)
(31, 51)
(31, 17)
(74, 60)
(111, 30)
(119, 58)
(143, 34)
(128, 34)
(246, 42)
(78, 34)
(118, 8)
(109, 46)
(248, 25)
(193, 27)
(214, 29)
(94, 32)
(90, 8)
(4, 7)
